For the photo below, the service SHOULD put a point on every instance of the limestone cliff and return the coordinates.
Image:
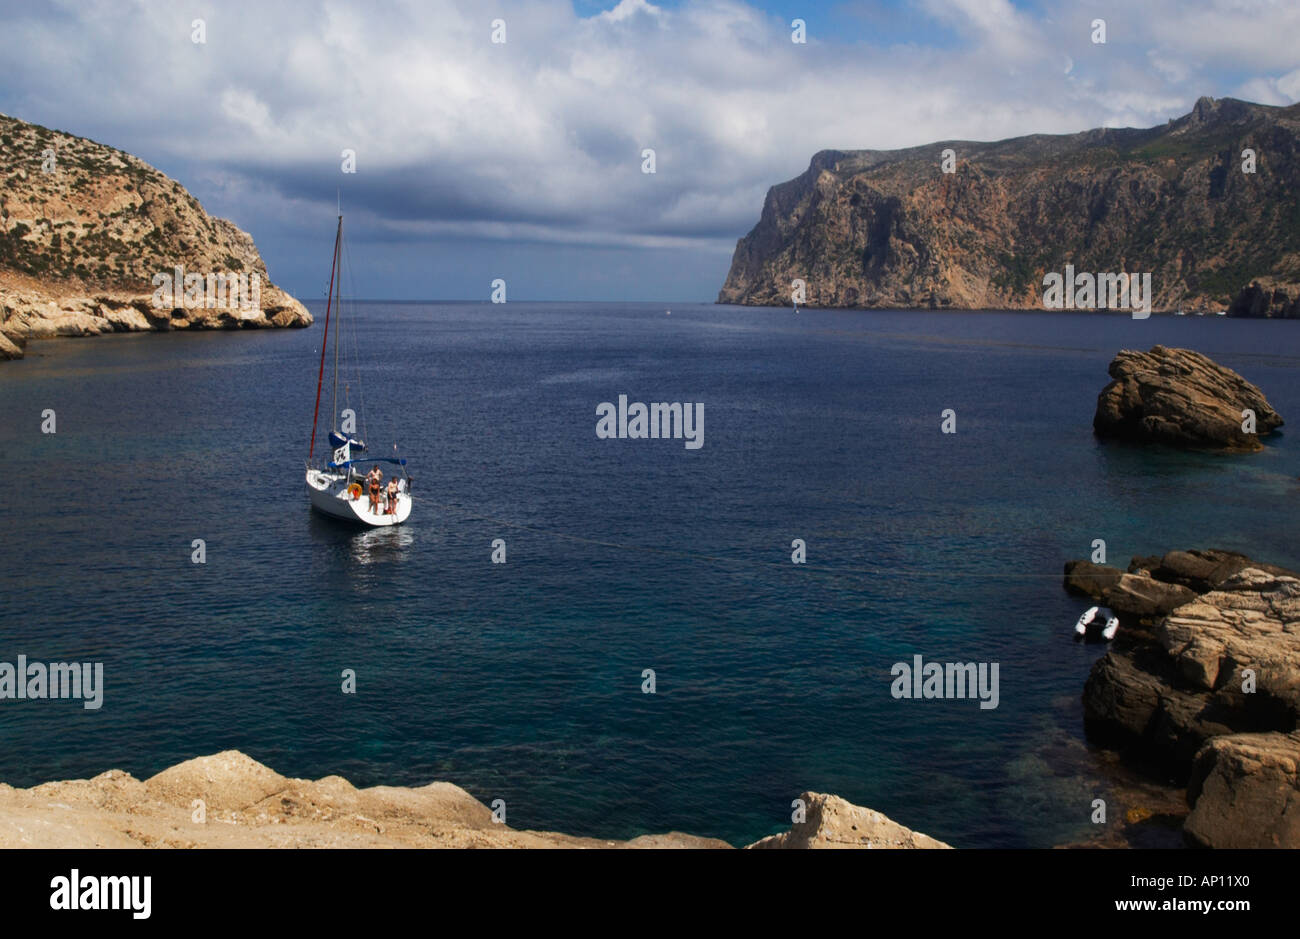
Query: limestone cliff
(872, 228)
(84, 229)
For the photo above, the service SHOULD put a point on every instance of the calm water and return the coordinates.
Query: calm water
(523, 681)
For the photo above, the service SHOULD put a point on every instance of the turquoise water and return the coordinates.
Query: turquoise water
(523, 681)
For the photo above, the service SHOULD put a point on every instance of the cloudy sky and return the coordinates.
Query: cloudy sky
(522, 159)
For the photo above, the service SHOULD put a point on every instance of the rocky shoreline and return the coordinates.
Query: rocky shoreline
(1202, 687)
(229, 800)
(50, 311)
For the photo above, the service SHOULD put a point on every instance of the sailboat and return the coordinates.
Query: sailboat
(339, 488)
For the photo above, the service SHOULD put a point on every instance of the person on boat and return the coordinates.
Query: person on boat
(375, 475)
(392, 496)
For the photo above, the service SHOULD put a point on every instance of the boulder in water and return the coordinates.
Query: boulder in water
(1183, 399)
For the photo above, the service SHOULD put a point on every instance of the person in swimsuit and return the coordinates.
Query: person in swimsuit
(374, 477)
(392, 496)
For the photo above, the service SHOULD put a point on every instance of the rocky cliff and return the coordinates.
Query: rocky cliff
(84, 230)
(229, 800)
(1265, 299)
(871, 228)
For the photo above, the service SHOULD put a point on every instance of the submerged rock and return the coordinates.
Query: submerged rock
(1181, 398)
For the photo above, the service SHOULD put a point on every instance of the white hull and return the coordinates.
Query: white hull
(329, 496)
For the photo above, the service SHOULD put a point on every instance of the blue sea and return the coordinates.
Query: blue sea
(523, 681)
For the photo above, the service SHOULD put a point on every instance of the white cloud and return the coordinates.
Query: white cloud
(1289, 85)
(541, 137)
(627, 9)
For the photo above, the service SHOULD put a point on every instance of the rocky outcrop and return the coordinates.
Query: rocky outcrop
(1129, 595)
(1267, 301)
(1174, 680)
(1200, 571)
(1181, 398)
(10, 349)
(1245, 792)
(30, 311)
(84, 229)
(1156, 585)
(1209, 691)
(229, 800)
(830, 822)
(891, 229)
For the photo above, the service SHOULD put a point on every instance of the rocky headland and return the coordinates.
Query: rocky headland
(1264, 299)
(230, 800)
(1202, 686)
(84, 229)
(891, 229)
(1181, 398)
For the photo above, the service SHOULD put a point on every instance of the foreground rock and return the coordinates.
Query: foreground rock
(1180, 398)
(1176, 678)
(84, 228)
(1245, 792)
(830, 822)
(248, 805)
(1206, 690)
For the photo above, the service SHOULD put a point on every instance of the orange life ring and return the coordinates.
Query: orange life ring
(355, 491)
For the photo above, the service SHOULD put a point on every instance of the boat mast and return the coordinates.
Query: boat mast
(320, 377)
(334, 404)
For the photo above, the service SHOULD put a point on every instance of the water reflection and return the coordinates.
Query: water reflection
(375, 545)
(365, 546)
